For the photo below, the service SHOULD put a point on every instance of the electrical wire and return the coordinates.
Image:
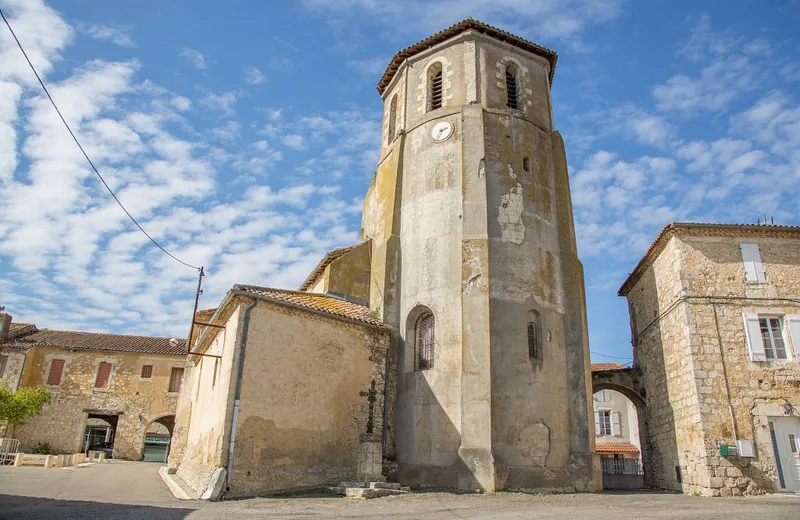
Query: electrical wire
(74, 138)
(607, 356)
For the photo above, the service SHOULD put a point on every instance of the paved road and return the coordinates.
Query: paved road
(132, 490)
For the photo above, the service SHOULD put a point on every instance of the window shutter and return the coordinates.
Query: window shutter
(175, 380)
(616, 424)
(753, 268)
(792, 322)
(755, 346)
(103, 375)
(56, 369)
(597, 422)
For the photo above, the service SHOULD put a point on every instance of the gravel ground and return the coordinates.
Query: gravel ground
(134, 490)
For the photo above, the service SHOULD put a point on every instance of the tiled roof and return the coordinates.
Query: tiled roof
(616, 447)
(455, 30)
(325, 262)
(321, 303)
(600, 367)
(701, 229)
(17, 329)
(97, 341)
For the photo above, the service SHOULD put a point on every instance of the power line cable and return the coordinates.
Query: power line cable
(607, 356)
(19, 44)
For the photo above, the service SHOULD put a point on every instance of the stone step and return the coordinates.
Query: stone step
(371, 492)
(368, 489)
(384, 485)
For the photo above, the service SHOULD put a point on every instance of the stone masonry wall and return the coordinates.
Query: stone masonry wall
(138, 401)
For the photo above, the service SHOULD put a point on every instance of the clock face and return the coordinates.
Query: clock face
(441, 131)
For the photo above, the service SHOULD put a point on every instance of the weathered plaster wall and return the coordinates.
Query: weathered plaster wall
(349, 274)
(138, 401)
(14, 362)
(304, 402)
(202, 426)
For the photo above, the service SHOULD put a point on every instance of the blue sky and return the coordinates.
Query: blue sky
(244, 137)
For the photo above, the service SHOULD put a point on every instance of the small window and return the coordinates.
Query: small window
(534, 335)
(512, 87)
(3, 360)
(56, 370)
(147, 371)
(605, 422)
(753, 268)
(103, 375)
(175, 380)
(390, 134)
(425, 339)
(772, 338)
(526, 164)
(435, 87)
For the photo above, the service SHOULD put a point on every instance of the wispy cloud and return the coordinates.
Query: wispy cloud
(253, 76)
(219, 101)
(118, 35)
(194, 57)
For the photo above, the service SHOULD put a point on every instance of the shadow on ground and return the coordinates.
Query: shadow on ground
(19, 507)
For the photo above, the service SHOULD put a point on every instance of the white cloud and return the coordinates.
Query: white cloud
(220, 101)
(227, 132)
(370, 67)
(293, 141)
(714, 89)
(181, 103)
(117, 35)
(194, 57)
(253, 76)
(791, 71)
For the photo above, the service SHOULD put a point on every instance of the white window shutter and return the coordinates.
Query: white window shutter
(597, 422)
(792, 322)
(755, 345)
(753, 268)
(616, 424)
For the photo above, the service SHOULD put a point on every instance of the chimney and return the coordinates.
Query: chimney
(5, 327)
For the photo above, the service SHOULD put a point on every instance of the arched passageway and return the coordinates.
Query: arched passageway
(621, 427)
(157, 437)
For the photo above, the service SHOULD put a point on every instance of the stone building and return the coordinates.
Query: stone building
(715, 324)
(469, 257)
(104, 387)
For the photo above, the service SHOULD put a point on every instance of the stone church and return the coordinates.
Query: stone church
(449, 347)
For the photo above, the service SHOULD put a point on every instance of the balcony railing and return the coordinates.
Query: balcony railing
(621, 466)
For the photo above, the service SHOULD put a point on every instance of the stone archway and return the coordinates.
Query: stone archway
(628, 382)
(157, 439)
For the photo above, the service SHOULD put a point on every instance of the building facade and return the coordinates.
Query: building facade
(468, 268)
(715, 324)
(104, 388)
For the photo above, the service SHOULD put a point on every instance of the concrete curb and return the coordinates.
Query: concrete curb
(173, 486)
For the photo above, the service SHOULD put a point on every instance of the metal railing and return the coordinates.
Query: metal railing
(8, 451)
(621, 466)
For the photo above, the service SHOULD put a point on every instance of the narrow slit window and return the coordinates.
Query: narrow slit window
(512, 88)
(390, 134)
(435, 87)
(526, 164)
(534, 335)
(425, 339)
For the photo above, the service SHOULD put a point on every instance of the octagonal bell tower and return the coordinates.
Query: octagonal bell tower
(474, 262)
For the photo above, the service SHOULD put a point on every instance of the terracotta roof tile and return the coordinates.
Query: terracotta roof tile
(701, 229)
(618, 447)
(17, 329)
(325, 262)
(601, 367)
(455, 30)
(334, 307)
(97, 341)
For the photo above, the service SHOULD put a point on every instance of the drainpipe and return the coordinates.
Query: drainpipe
(237, 395)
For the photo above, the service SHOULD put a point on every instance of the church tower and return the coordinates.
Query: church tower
(474, 263)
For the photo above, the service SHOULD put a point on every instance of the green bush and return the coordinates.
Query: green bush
(42, 449)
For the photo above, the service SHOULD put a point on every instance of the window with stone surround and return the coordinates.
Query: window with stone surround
(103, 375)
(768, 334)
(425, 340)
(435, 90)
(56, 370)
(512, 87)
(147, 371)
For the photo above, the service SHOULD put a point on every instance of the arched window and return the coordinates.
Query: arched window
(392, 120)
(435, 87)
(424, 340)
(512, 87)
(534, 335)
